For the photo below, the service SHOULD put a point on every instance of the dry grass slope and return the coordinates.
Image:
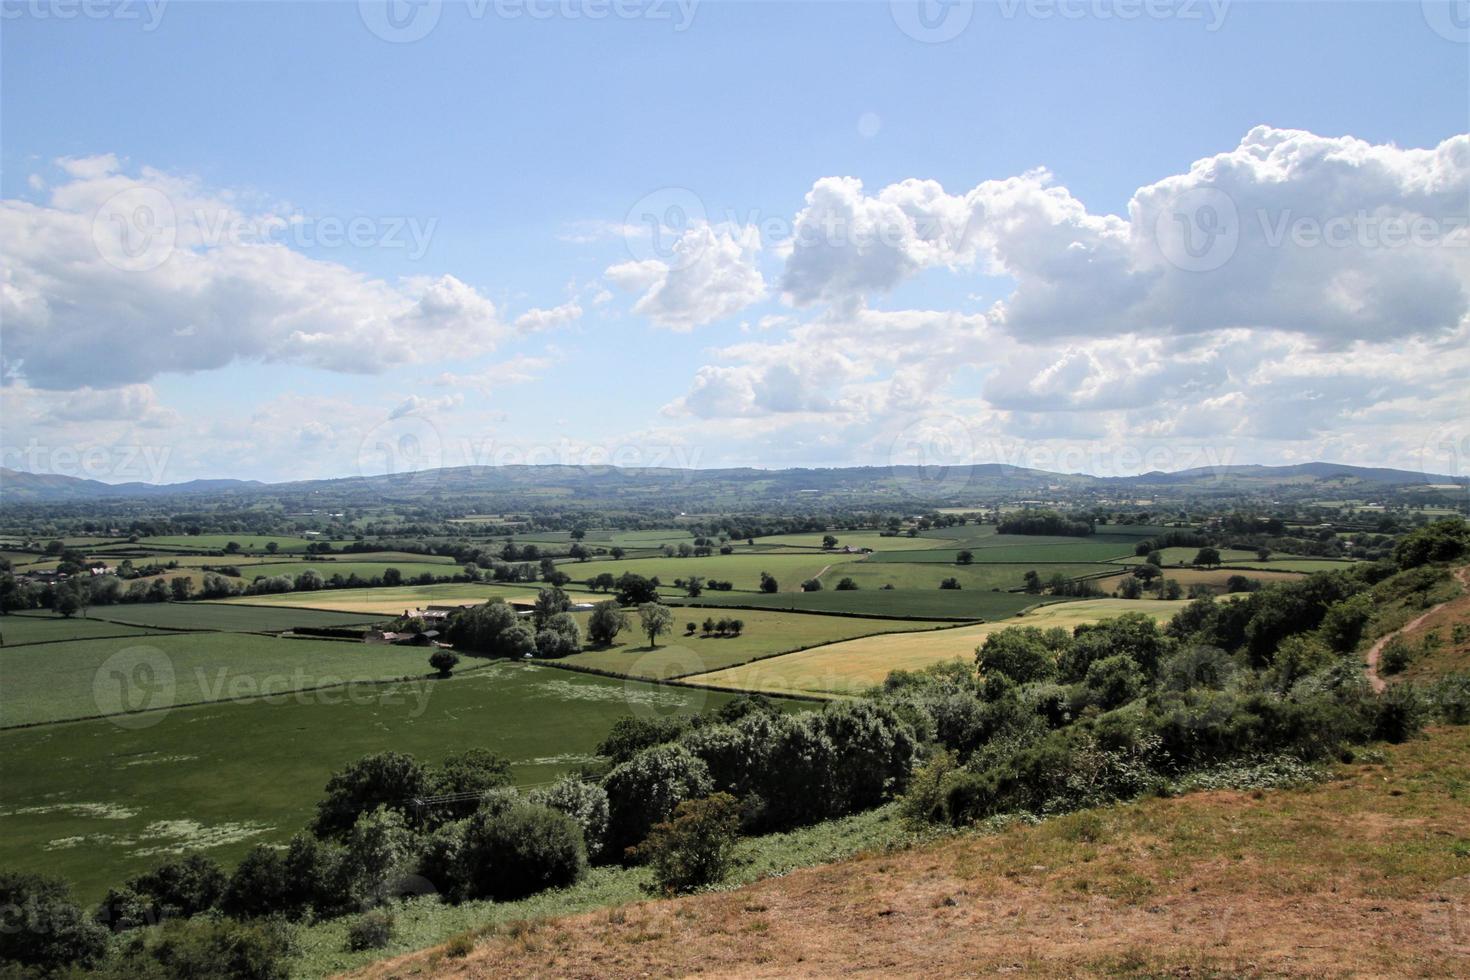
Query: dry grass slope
(1365, 875)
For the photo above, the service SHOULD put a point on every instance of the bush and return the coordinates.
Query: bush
(522, 850)
(847, 585)
(608, 620)
(258, 886)
(379, 855)
(585, 803)
(207, 949)
(950, 583)
(182, 888)
(42, 929)
(1023, 653)
(645, 789)
(382, 779)
(560, 637)
(440, 860)
(811, 585)
(444, 661)
(1402, 712)
(696, 847)
(371, 930)
(1395, 656)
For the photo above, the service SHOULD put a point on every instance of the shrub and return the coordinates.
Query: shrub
(847, 585)
(258, 885)
(1395, 656)
(608, 620)
(522, 850)
(379, 854)
(213, 948)
(950, 583)
(123, 909)
(645, 789)
(1022, 653)
(585, 803)
(811, 585)
(182, 888)
(371, 930)
(1114, 681)
(694, 848)
(444, 661)
(42, 929)
(382, 779)
(559, 637)
(440, 860)
(1402, 711)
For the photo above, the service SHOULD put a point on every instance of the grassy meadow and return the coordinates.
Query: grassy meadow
(854, 665)
(95, 801)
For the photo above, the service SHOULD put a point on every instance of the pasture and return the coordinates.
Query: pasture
(18, 629)
(250, 616)
(96, 802)
(1014, 549)
(937, 604)
(855, 665)
(853, 539)
(922, 576)
(1215, 578)
(765, 633)
(217, 542)
(56, 682)
(744, 570)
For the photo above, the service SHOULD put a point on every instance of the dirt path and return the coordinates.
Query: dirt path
(1376, 650)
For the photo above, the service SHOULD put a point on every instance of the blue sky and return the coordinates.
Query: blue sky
(522, 148)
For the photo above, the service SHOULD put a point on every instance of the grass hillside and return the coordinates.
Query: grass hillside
(1365, 874)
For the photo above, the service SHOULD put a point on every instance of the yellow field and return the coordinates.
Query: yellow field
(853, 665)
(392, 601)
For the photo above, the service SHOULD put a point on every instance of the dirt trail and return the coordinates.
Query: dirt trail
(1376, 650)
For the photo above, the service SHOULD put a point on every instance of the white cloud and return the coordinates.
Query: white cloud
(418, 405)
(156, 273)
(710, 274)
(536, 320)
(1332, 238)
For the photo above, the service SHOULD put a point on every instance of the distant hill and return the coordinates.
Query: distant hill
(20, 485)
(724, 486)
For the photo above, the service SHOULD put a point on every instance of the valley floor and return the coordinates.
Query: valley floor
(1367, 874)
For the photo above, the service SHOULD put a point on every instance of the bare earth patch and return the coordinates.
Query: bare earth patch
(1365, 875)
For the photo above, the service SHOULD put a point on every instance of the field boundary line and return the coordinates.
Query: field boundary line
(668, 682)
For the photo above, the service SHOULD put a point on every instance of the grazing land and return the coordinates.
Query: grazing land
(855, 665)
(113, 676)
(388, 601)
(765, 634)
(23, 628)
(907, 603)
(920, 576)
(1361, 875)
(96, 802)
(245, 617)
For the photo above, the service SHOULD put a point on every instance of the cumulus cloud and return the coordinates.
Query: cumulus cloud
(711, 273)
(155, 273)
(1329, 237)
(536, 320)
(418, 405)
(136, 403)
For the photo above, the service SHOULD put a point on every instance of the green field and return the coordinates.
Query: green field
(939, 604)
(55, 682)
(744, 570)
(852, 666)
(1068, 550)
(765, 633)
(95, 802)
(22, 628)
(921, 576)
(251, 616)
(853, 539)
